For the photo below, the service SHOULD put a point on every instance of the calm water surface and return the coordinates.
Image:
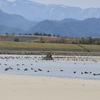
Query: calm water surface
(27, 65)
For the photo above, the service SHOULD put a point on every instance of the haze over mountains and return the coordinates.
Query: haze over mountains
(70, 27)
(20, 16)
(14, 23)
(36, 11)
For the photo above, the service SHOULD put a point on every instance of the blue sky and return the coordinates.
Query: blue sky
(75, 3)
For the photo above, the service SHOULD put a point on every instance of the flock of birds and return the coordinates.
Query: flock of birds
(18, 68)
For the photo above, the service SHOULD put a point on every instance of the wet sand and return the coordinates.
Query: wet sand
(19, 87)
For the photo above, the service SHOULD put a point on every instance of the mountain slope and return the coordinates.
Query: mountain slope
(36, 11)
(6, 29)
(70, 27)
(15, 21)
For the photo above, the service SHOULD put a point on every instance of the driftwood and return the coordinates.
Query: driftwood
(48, 57)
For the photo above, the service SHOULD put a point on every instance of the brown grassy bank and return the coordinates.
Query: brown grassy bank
(43, 48)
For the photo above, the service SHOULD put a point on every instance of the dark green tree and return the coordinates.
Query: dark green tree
(16, 39)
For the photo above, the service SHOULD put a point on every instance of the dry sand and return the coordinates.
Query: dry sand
(18, 87)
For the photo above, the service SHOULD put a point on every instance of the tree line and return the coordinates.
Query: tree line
(61, 39)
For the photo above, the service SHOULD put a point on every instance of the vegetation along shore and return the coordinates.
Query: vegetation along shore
(42, 44)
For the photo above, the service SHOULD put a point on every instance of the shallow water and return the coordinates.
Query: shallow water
(27, 65)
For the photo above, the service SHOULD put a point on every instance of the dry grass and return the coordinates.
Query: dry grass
(39, 45)
(69, 49)
(92, 47)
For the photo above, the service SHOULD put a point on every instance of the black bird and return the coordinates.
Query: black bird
(61, 70)
(74, 72)
(25, 69)
(40, 69)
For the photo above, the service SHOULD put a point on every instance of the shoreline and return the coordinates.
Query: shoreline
(44, 52)
(55, 57)
(59, 77)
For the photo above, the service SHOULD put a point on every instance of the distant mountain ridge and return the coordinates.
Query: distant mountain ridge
(38, 12)
(13, 23)
(70, 27)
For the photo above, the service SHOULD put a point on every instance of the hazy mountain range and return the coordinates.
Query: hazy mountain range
(14, 23)
(56, 19)
(70, 27)
(38, 12)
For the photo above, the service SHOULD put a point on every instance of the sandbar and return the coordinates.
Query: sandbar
(24, 87)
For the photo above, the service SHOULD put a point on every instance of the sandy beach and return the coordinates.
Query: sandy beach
(15, 87)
